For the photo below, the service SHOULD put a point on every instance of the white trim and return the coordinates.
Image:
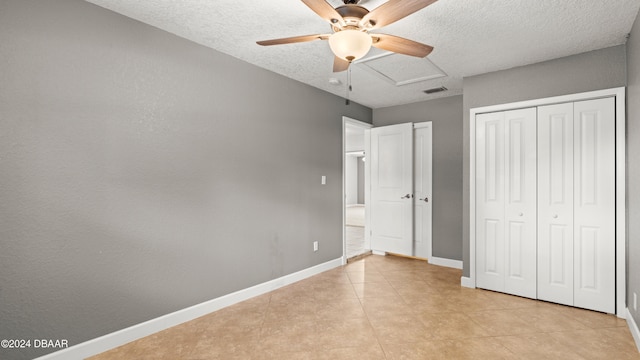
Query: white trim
(355, 153)
(456, 264)
(367, 190)
(367, 238)
(552, 100)
(471, 280)
(466, 282)
(124, 336)
(621, 195)
(378, 252)
(424, 124)
(633, 328)
(621, 202)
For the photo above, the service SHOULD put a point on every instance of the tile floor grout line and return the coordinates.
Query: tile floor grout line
(375, 333)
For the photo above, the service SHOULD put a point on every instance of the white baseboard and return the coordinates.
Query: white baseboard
(467, 282)
(456, 264)
(378, 252)
(124, 336)
(633, 327)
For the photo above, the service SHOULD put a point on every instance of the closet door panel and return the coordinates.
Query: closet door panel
(490, 201)
(520, 202)
(555, 203)
(594, 205)
(422, 186)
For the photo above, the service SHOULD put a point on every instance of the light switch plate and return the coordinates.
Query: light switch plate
(323, 180)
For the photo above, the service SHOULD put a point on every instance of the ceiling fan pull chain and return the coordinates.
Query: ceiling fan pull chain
(349, 88)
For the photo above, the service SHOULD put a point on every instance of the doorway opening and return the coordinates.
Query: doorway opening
(356, 241)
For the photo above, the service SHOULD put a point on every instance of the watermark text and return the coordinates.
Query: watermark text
(34, 343)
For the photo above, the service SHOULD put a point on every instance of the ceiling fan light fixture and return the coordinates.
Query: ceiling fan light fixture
(350, 44)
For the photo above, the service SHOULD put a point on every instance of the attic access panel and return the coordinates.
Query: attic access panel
(400, 69)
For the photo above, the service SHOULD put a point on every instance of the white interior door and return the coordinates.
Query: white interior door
(490, 265)
(392, 189)
(520, 202)
(594, 205)
(422, 185)
(555, 203)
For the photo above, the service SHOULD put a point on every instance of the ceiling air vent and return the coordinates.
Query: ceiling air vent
(435, 90)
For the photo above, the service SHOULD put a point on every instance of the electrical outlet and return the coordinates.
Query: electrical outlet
(315, 246)
(323, 180)
(635, 302)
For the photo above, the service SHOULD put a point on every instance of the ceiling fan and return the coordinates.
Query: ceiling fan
(351, 24)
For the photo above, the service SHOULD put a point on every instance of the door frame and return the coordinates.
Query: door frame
(367, 195)
(620, 163)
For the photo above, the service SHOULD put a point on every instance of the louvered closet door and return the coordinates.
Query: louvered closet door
(506, 201)
(594, 205)
(555, 203)
(520, 202)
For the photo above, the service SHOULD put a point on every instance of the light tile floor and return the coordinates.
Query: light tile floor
(354, 241)
(389, 308)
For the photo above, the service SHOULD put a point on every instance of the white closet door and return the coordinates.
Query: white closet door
(520, 202)
(490, 267)
(422, 184)
(392, 189)
(555, 203)
(594, 205)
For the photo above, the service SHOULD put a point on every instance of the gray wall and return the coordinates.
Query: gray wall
(600, 69)
(633, 166)
(141, 173)
(446, 115)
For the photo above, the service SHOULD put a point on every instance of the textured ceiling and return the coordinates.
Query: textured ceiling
(470, 37)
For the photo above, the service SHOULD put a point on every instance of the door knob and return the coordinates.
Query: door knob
(426, 199)
(520, 214)
(555, 216)
(408, 196)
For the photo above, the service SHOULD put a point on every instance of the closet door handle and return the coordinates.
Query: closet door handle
(426, 199)
(520, 214)
(408, 196)
(555, 216)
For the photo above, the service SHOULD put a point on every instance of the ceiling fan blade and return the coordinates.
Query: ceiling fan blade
(325, 10)
(340, 64)
(392, 11)
(294, 39)
(401, 45)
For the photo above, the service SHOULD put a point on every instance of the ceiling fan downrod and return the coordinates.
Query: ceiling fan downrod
(355, 2)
